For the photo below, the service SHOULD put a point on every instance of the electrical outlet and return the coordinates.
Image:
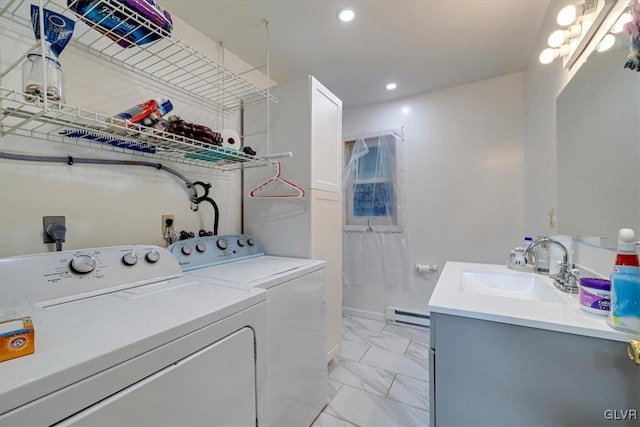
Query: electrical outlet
(164, 221)
(47, 221)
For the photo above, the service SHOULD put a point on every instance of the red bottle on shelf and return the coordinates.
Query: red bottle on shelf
(627, 254)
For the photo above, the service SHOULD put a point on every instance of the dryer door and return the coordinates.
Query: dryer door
(214, 386)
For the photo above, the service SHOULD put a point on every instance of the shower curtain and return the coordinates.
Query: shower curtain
(375, 242)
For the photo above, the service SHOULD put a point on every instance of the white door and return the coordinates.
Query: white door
(326, 235)
(214, 386)
(326, 139)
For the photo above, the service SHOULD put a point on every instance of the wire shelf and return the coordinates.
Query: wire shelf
(167, 61)
(75, 126)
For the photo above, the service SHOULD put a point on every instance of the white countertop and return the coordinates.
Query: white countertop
(449, 298)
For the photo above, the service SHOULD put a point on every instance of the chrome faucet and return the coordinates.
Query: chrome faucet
(567, 278)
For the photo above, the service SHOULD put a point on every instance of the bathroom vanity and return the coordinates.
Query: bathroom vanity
(508, 348)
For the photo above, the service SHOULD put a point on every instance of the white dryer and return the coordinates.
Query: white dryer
(124, 338)
(296, 312)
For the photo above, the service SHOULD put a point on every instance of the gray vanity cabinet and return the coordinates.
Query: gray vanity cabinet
(485, 373)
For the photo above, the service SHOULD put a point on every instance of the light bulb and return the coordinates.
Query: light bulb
(548, 55)
(346, 15)
(391, 86)
(567, 15)
(606, 43)
(624, 18)
(557, 38)
(573, 31)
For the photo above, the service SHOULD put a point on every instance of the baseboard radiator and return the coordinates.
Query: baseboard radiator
(406, 317)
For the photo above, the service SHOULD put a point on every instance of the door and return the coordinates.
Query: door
(326, 237)
(326, 139)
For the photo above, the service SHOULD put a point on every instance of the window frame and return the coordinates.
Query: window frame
(381, 224)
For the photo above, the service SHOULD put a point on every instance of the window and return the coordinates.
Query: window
(371, 184)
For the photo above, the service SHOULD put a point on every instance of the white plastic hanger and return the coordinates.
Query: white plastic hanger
(299, 192)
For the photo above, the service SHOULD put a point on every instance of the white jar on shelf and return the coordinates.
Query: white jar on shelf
(34, 69)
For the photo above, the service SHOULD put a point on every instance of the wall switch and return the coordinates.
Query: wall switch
(164, 222)
(47, 221)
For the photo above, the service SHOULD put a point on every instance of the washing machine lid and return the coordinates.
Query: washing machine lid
(78, 339)
(263, 272)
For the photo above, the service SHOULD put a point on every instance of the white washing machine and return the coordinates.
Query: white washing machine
(124, 338)
(296, 312)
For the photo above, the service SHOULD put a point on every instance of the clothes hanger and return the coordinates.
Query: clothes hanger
(299, 192)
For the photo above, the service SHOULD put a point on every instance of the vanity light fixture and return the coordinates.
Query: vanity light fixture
(568, 15)
(560, 37)
(575, 24)
(624, 18)
(391, 86)
(549, 54)
(606, 43)
(346, 15)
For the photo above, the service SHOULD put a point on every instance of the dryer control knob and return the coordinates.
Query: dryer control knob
(242, 242)
(186, 250)
(251, 241)
(82, 264)
(201, 247)
(222, 244)
(152, 256)
(130, 259)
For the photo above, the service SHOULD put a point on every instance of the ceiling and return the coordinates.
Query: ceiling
(421, 45)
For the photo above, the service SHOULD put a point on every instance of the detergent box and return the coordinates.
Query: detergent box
(17, 338)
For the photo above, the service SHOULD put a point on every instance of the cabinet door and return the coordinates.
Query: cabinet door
(326, 139)
(214, 386)
(326, 238)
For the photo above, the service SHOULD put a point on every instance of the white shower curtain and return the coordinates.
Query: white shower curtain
(375, 245)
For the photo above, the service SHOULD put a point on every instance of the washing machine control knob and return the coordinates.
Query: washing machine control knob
(242, 242)
(186, 250)
(82, 264)
(251, 241)
(201, 247)
(130, 259)
(222, 244)
(152, 256)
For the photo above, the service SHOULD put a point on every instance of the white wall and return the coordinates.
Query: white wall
(540, 88)
(464, 173)
(542, 83)
(109, 205)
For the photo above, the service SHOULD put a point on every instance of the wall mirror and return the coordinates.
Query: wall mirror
(598, 148)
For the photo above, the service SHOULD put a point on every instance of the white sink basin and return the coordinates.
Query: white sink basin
(526, 286)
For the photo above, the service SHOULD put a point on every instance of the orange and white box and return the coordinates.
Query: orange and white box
(17, 338)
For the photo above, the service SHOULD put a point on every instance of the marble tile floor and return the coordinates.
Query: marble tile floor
(380, 377)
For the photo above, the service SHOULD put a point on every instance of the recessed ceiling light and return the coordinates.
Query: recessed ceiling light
(346, 15)
(391, 86)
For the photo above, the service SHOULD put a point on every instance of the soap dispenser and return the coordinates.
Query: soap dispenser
(543, 256)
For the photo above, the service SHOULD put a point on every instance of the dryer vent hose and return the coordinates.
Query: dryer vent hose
(206, 198)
